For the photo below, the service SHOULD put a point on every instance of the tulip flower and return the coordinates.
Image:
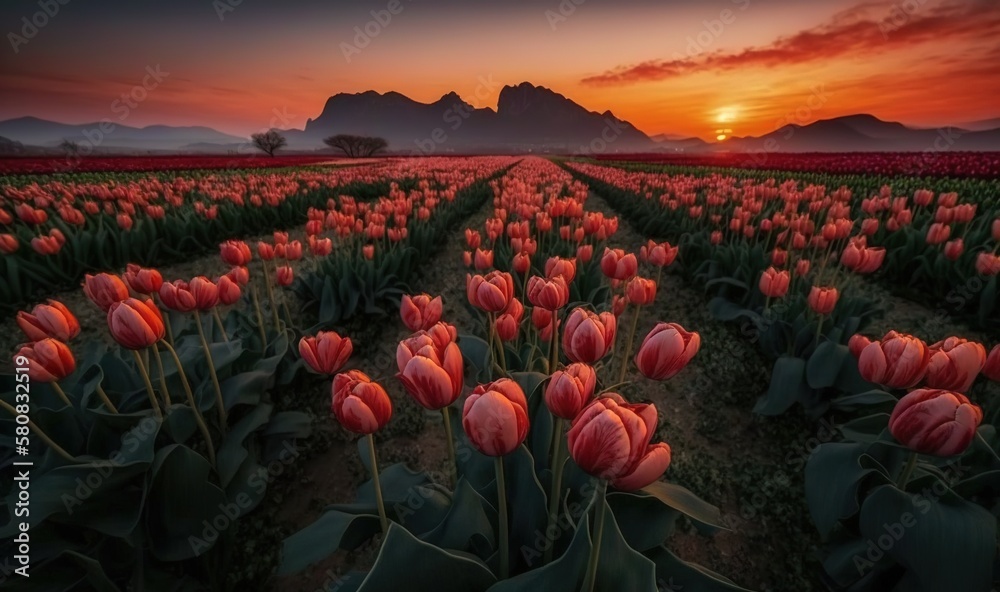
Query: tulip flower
(49, 360)
(368, 251)
(550, 294)
(641, 291)
(229, 290)
(235, 253)
(472, 238)
(666, 350)
(935, 422)
(616, 264)
(265, 251)
(659, 255)
(141, 280)
(239, 275)
(988, 264)
(104, 289)
(938, 233)
(557, 266)
(508, 324)
(490, 293)
(284, 276)
(9, 244)
(823, 300)
(991, 369)
(610, 439)
(326, 352)
(431, 373)
(857, 344)
(953, 249)
(954, 364)
(774, 283)
(420, 312)
(177, 296)
(359, 404)
(136, 324)
(495, 417)
(521, 263)
(897, 361)
(484, 259)
(205, 292)
(49, 320)
(569, 390)
(588, 336)
(584, 253)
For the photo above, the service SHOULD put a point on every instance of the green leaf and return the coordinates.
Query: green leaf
(833, 475)
(428, 568)
(787, 386)
(621, 567)
(565, 574)
(332, 531)
(673, 573)
(687, 503)
(948, 543)
(825, 364)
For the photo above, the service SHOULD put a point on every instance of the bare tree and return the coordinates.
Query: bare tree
(356, 146)
(269, 141)
(70, 147)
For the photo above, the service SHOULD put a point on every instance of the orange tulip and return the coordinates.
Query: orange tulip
(618, 265)
(360, 405)
(588, 336)
(491, 293)
(897, 361)
(823, 300)
(495, 417)
(420, 312)
(774, 283)
(142, 281)
(936, 422)
(205, 292)
(104, 289)
(641, 291)
(954, 364)
(49, 360)
(666, 350)
(550, 294)
(326, 352)
(49, 320)
(136, 324)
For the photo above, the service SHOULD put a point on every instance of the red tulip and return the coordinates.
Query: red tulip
(467, 258)
(360, 405)
(142, 281)
(988, 264)
(550, 294)
(618, 304)
(991, 369)
(431, 371)
(666, 350)
(491, 293)
(326, 352)
(802, 267)
(556, 266)
(420, 312)
(280, 238)
(484, 259)
(265, 251)
(49, 360)
(508, 324)
(521, 263)
(953, 249)
(495, 417)
(284, 275)
(585, 253)
(857, 344)
(9, 244)
(588, 336)
(205, 292)
(136, 324)
(659, 255)
(239, 275)
(823, 300)
(473, 238)
(368, 251)
(716, 238)
(177, 296)
(954, 364)
(104, 289)
(938, 233)
(897, 361)
(774, 283)
(569, 390)
(936, 422)
(49, 320)
(641, 291)
(235, 253)
(618, 265)
(610, 439)
(995, 230)
(229, 291)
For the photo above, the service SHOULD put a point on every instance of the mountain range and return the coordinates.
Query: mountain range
(528, 118)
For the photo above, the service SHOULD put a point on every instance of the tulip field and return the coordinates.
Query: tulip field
(499, 373)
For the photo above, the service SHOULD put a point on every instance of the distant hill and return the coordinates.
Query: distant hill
(48, 134)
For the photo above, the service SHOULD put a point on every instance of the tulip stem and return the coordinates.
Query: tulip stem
(260, 317)
(104, 397)
(62, 394)
(284, 305)
(628, 346)
(38, 432)
(219, 403)
(202, 426)
(378, 487)
(218, 323)
(166, 320)
(149, 385)
(270, 296)
(904, 477)
(555, 496)
(495, 339)
(502, 503)
(554, 344)
(595, 550)
(452, 462)
(163, 378)
(819, 331)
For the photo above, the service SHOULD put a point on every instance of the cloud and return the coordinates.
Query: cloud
(864, 29)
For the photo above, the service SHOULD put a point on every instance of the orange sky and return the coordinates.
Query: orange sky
(685, 67)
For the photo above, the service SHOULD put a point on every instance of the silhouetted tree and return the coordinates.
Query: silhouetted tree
(269, 141)
(70, 147)
(356, 146)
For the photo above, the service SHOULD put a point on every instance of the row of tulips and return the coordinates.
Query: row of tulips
(560, 447)
(52, 232)
(940, 246)
(906, 497)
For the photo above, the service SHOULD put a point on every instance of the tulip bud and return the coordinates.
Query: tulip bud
(368, 251)
(556, 266)
(521, 263)
(239, 275)
(136, 324)
(49, 320)
(420, 312)
(569, 390)
(235, 253)
(666, 350)
(774, 283)
(936, 422)
(491, 293)
(509, 323)
(857, 343)
(104, 289)
(284, 276)
(618, 265)
(326, 352)
(954, 364)
(49, 360)
(495, 417)
(229, 291)
(142, 281)
(610, 439)
(550, 294)
(360, 405)
(205, 292)
(823, 300)
(897, 361)
(177, 296)
(431, 371)
(641, 291)
(484, 259)
(588, 336)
